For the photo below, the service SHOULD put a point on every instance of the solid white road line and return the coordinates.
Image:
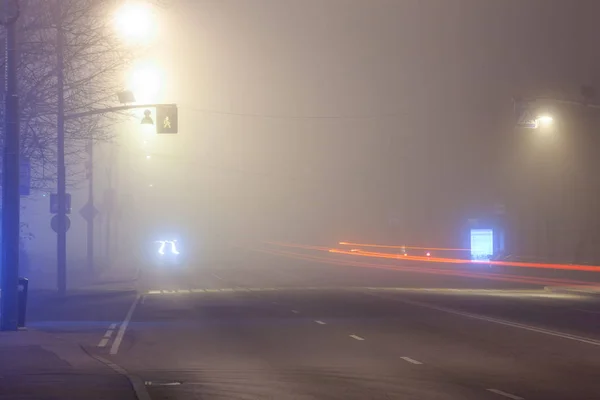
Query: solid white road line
(117, 342)
(412, 361)
(356, 337)
(319, 322)
(501, 393)
(497, 321)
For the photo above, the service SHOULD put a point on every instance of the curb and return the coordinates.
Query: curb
(573, 290)
(137, 384)
(82, 293)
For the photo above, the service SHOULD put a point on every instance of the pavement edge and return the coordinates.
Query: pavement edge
(137, 383)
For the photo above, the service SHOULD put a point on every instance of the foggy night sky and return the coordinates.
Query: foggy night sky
(322, 120)
(353, 111)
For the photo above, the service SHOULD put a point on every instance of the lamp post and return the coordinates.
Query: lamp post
(531, 114)
(10, 177)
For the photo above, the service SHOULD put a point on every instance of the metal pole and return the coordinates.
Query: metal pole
(61, 235)
(109, 204)
(116, 203)
(90, 206)
(10, 183)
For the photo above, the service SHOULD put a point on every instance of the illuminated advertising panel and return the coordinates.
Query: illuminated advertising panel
(482, 244)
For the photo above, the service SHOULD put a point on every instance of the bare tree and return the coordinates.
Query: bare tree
(94, 63)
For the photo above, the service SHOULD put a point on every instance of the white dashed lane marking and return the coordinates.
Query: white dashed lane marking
(357, 337)
(501, 393)
(319, 322)
(295, 311)
(411, 360)
(104, 341)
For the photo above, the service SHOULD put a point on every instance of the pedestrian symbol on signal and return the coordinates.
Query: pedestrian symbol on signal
(166, 117)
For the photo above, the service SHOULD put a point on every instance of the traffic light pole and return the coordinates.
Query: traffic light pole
(61, 235)
(10, 183)
(116, 109)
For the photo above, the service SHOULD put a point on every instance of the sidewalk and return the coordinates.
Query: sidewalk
(121, 276)
(37, 365)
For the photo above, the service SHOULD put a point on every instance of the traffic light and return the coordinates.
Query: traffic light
(166, 119)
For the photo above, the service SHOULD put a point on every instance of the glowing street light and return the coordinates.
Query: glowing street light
(544, 120)
(135, 22)
(145, 80)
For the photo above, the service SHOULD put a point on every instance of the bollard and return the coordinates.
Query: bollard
(23, 288)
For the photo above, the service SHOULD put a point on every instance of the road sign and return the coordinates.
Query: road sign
(525, 114)
(166, 119)
(88, 212)
(54, 223)
(54, 203)
(24, 177)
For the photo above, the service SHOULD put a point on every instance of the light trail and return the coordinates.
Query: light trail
(445, 260)
(400, 247)
(571, 267)
(436, 271)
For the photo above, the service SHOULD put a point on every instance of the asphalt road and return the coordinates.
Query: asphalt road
(252, 325)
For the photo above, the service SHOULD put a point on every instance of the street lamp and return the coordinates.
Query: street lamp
(135, 22)
(145, 81)
(544, 121)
